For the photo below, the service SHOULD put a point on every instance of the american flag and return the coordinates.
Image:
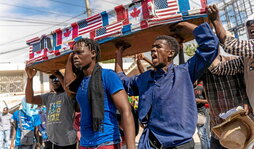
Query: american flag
(37, 56)
(166, 12)
(163, 8)
(89, 24)
(110, 30)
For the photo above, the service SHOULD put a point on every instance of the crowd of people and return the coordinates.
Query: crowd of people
(89, 107)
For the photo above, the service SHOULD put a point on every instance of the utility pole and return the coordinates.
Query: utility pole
(88, 10)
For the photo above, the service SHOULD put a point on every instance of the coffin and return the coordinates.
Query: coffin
(137, 23)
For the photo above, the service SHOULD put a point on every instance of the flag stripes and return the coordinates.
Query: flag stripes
(120, 21)
(108, 31)
(90, 24)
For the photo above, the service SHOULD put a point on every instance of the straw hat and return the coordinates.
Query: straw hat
(236, 132)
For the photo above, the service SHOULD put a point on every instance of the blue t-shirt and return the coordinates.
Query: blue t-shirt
(28, 123)
(89, 138)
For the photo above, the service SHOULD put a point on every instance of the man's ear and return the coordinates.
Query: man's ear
(171, 54)
(93, 54)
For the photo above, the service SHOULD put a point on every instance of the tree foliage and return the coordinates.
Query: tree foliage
(190, 49)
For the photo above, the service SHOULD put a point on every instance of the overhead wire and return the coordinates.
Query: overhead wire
(22, 38)
(6, 18)
(111, 2)
(40, 30)
(29, 8)
(13, 50)
(67, 3)
(34, 22)
(83, 6)
(27, 25)
(58, 24)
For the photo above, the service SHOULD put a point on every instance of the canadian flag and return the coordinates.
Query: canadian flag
(139, 13)
(66, 35)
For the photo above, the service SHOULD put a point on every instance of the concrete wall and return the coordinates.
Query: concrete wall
(40, 83)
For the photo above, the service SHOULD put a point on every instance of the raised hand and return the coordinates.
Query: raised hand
(213, 13)
(140, 56)
(181, 30)
(122, 45)
(30, 72)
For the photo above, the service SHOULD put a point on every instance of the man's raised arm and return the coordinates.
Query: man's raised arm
(29, 92)
(129, 83)
(208, 45)
(121, 46)
(231, 45)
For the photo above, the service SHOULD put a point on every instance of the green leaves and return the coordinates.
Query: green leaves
(190, 49)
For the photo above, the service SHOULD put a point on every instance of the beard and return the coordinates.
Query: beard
(81, 68)
(59, 89)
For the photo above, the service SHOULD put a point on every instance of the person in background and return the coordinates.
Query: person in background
(225, 89)
(60, 109)
(243, 48)
(203, 115)
(5, 128)
(76, 126)
(45, 144)
(26, 125)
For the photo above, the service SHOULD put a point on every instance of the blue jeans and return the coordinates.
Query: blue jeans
(203, 131)
(5, 140)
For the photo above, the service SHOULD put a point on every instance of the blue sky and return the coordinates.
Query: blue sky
(21, 20)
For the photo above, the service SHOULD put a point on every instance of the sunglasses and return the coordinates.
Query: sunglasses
(55, 80)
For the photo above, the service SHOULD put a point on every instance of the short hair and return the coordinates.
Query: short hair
(92, 45)
(249, 22)
(172, 42)
(5, 108)
(52, 76)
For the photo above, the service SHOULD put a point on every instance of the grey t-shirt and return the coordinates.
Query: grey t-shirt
(5, 121)
(60, 116)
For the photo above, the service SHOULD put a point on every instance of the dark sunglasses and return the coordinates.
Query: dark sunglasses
(55, 80)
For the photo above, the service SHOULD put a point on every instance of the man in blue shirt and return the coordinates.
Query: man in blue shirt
(99, 92)
(167, 106)
(25, 127)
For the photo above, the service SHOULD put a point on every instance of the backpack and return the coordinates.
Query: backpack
(27, 136)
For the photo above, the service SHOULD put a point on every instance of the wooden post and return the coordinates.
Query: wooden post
(88, 10)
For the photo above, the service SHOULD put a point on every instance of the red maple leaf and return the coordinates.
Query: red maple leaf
(135, 12)
(67, 33)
